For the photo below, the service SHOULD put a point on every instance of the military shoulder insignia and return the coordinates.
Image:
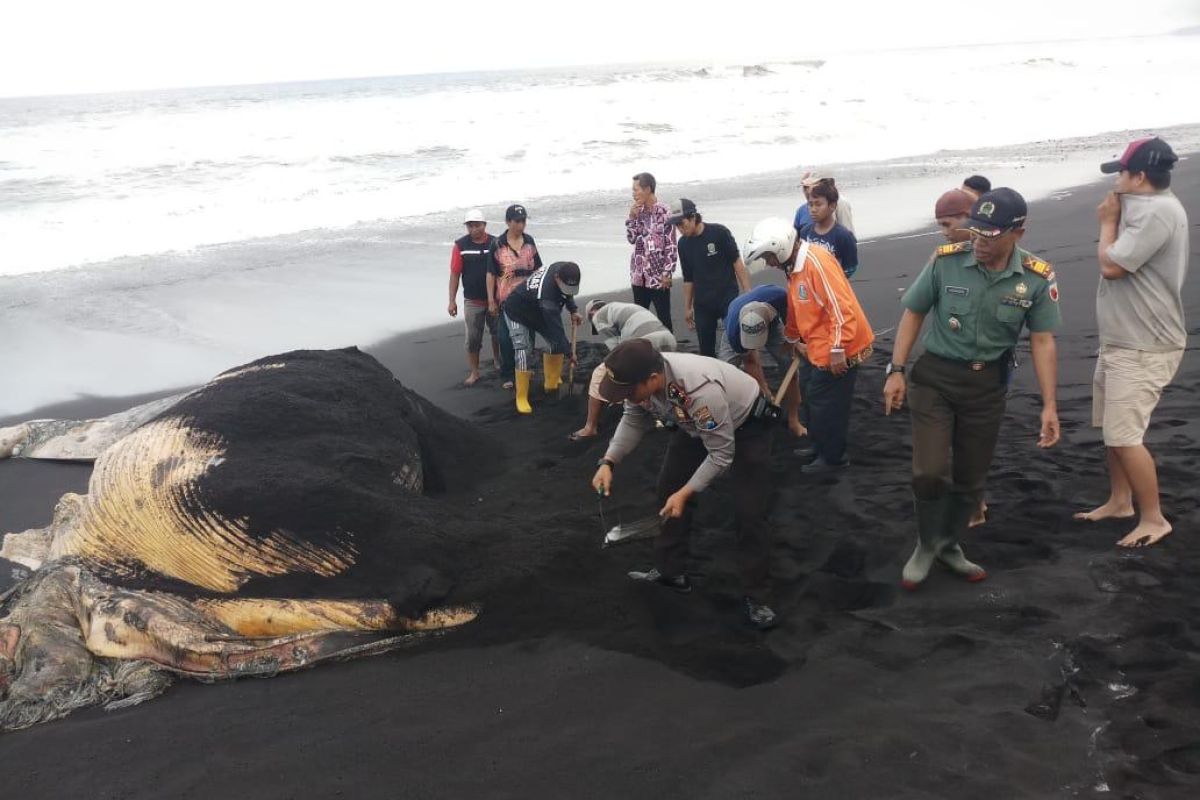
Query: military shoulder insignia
(1038, 267)
(951, 249)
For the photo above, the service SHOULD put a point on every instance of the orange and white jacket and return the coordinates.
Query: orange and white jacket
(823, 311)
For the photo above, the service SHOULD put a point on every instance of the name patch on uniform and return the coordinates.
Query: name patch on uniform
(961, 291)
(1019, 302)
(704, 419)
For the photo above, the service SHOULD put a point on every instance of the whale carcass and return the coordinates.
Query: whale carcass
(283, 514)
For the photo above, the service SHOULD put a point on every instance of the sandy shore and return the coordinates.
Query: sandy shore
(1071, 672)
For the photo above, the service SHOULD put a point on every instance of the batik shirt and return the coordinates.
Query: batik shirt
(653, 240)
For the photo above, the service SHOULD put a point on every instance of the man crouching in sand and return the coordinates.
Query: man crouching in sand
(724, 425)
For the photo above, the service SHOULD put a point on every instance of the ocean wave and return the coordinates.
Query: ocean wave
(649, 127)
(755, 71)
(631, 142)
(421, 154)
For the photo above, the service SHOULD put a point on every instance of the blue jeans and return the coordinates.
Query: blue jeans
(829, 400)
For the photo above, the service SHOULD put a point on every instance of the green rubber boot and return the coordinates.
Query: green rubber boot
(961, 508)
(932, 519)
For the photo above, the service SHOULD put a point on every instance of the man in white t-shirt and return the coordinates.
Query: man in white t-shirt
(1143, 256)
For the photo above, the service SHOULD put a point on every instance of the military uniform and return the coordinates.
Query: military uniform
(957, 388)
(713, 404)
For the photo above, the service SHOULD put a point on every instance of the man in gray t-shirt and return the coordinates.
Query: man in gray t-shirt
(1143, 256)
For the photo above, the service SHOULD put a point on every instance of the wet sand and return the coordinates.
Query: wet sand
(1070, 672)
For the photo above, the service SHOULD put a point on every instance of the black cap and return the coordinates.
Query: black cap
(627, 365)
(1151, 154)
(996, 212)
(679, 209)
(568, 273)
(515, 213)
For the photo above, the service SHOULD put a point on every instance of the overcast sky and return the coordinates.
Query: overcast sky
(61, 46)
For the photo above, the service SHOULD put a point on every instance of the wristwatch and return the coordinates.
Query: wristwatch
(606, 462)
(898, 369)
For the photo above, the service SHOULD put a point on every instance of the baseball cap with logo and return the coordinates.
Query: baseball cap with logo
(996, 212)
(567, 275)
(754, 324)
(679, 209)
(515, 213)
(474, 215)
(1144, 154)
(627, 365)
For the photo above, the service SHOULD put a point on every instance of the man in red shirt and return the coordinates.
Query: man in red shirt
(827, 325)
(469, 261)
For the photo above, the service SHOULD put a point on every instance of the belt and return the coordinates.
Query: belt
(974, 366)
(854, 360)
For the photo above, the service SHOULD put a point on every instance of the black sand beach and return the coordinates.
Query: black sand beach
(1071, 672)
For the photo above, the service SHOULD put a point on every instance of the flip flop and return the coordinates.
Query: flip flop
(577, 437)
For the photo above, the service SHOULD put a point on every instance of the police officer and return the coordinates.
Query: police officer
(980, 294)
(723, 427)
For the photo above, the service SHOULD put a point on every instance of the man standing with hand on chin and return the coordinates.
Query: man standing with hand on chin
(654, 252)
(1143, 256)
(980, 293)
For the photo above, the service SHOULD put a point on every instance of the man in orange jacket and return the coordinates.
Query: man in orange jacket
(827, 326)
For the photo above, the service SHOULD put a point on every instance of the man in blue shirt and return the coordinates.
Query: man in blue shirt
(755, 322)
(825, 230)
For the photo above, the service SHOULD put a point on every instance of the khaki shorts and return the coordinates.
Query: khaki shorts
(476, 317)
(1126, 389)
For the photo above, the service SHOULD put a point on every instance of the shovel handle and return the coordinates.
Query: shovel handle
(787, 378)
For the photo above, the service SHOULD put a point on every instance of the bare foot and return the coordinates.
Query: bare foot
(1110, 510)
(979, 517)
(472, 379)
(1145, 534)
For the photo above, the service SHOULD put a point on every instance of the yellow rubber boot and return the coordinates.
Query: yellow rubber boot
(524, 376)
(552, 367)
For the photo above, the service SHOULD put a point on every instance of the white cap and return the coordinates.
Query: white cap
(754, 322)
(474, 215)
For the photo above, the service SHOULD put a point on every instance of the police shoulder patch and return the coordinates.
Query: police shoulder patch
(1038, 267)
(951, 249)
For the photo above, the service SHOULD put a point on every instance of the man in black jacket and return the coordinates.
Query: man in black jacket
(536, 307)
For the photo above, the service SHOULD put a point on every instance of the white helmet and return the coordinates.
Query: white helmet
(772, 235)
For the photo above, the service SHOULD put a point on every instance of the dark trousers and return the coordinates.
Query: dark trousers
(661, 298)
(707, 319)
(508, 359)
(750, 473)
(829, 399)
(956, 414)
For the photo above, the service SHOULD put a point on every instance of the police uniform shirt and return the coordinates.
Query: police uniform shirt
(978, 313)
(707, 398)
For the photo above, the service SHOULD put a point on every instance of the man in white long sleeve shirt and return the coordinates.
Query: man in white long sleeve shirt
(719, 412)
(618, 322)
